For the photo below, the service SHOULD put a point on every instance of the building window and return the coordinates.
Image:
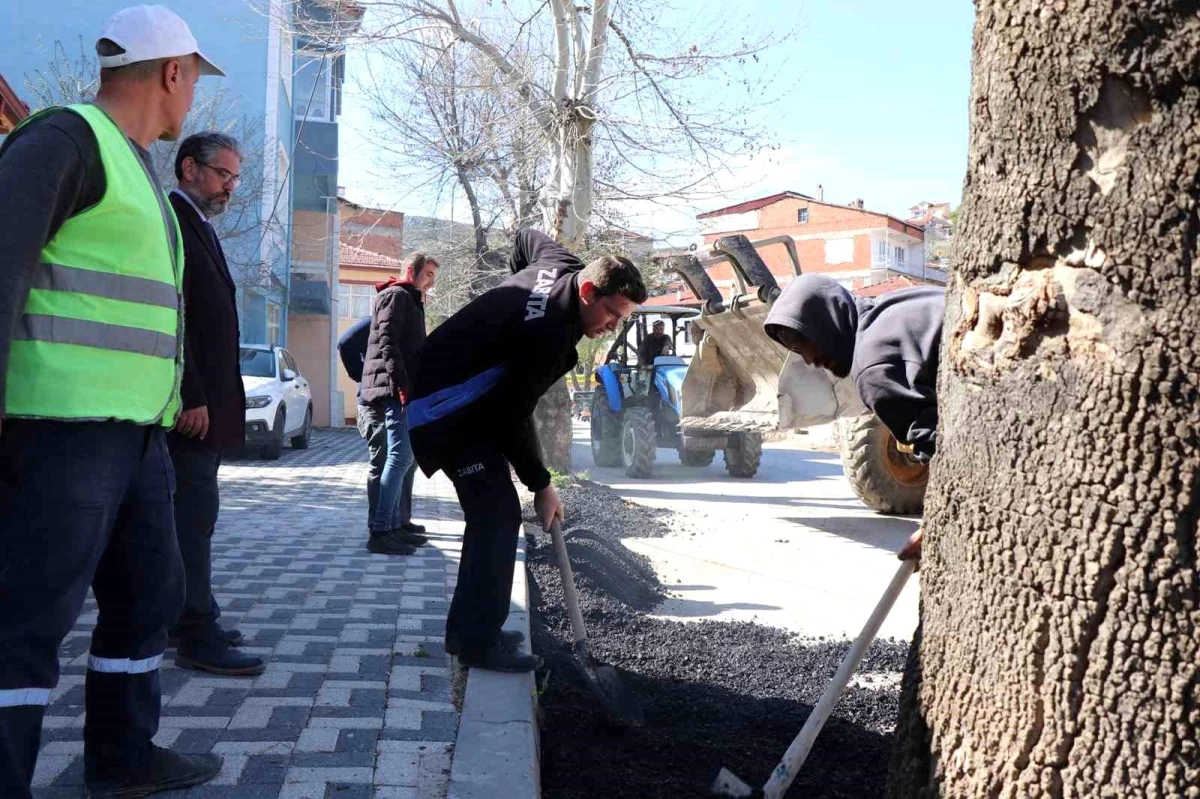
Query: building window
(274, 318)
(881, 251)
(355, 301)
(899, 255)
(311, 92)
(839, 251)
(802, 216)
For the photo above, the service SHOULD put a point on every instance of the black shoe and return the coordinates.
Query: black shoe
(163, 770)
(234, 637)
(410, 536)
(216, 656)
(508, 638)
(502, 658)
(410, 527)
(391, 543)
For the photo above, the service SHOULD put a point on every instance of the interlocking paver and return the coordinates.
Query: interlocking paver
(355, 701)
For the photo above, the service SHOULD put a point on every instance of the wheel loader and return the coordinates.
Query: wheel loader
(740, 384)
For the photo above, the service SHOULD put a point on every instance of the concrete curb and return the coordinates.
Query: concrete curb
(496, 752)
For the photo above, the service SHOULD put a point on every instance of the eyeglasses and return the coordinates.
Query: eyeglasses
(227, 177)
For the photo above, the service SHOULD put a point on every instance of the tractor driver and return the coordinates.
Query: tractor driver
(656, 344)
(888, 346)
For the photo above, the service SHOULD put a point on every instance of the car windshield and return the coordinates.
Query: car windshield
(258, 363)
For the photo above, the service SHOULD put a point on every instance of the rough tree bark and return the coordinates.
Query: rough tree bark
(1060, 605)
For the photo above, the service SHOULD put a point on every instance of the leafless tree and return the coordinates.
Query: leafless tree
(68, 79)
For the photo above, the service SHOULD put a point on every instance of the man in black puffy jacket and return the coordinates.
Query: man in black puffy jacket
(887, 345)
(471, 416)
(393, 344)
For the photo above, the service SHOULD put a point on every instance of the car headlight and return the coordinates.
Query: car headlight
(257, 402)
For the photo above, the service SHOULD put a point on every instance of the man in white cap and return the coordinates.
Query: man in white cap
(91, 350)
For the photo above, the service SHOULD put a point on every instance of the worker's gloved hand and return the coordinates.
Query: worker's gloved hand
(548, 507)
(403, 395)
(912, 550)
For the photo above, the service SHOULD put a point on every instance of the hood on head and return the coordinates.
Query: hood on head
(819, 310)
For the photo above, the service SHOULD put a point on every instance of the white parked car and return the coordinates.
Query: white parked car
(278, 401)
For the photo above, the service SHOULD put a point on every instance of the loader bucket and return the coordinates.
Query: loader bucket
(739, 379)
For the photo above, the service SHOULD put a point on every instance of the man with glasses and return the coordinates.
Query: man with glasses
(213, 420)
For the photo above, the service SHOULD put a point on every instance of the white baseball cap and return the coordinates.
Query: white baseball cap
(147, 33)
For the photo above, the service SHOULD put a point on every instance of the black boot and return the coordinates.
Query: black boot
(410, 536)
(390, 543)
(411, 527)
(159, 770)
(501, 658)
(213, 653)
(233, 636)
(509, 638)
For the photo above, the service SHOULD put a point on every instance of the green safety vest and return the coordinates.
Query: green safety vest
(101, 336)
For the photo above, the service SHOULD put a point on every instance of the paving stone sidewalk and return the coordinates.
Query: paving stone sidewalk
(356, 699)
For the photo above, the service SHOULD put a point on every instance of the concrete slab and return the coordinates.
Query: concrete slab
(496, 752)
(791, 548)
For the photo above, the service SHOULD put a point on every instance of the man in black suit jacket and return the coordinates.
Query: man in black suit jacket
(214, 402)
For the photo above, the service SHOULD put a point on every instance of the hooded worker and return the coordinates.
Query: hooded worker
(888, 346)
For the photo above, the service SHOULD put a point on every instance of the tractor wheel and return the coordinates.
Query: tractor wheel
(638, 445)
(606, 432)
(743, 454)
(885, 479)
(696, 457)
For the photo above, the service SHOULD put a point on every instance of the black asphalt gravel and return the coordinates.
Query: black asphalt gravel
(714, 693)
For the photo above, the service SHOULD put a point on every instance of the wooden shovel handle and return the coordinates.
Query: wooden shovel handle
(797, 753)
(568, 581)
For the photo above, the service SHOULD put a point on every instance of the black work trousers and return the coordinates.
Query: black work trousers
(492, 512)
(84, 503)
(197, 503)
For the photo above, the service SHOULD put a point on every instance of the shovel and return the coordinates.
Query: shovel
(601, 678)
(728, 784)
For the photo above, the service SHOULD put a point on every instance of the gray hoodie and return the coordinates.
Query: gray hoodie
(888, 346)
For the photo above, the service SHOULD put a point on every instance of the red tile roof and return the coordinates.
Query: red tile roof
(754, 205)
(357, 256)
(891, 284)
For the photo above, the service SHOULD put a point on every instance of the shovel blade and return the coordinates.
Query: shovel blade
(620, 703)
(728, 784)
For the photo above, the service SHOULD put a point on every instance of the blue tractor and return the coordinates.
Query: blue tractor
(637, 407)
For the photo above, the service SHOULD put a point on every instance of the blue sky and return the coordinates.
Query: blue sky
(878, 110)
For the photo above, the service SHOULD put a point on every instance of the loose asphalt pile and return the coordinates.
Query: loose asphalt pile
(714, 693)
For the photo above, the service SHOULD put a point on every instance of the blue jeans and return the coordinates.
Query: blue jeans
(389, 512)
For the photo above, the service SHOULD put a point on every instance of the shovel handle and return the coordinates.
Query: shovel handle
(797, 753)
(568, 581)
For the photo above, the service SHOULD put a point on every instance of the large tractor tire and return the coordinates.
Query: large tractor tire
(885, 479)
(638, 444)
(696, 457)
(606, 432)
(743, 454)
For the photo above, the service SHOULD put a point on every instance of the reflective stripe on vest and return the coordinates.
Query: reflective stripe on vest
(100, 333)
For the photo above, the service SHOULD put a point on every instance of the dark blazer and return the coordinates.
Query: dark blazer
(212, 373)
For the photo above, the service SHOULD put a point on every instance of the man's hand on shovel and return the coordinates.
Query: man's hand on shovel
(548, 507)
(912, 550)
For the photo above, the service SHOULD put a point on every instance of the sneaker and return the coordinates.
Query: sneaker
(163, 770)
(509, 638)
(411, 527)
(391, 543)
(217, 656)
(502, 658)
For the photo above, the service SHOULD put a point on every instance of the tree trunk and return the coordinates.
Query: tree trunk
(553, 420)
(1059, 653)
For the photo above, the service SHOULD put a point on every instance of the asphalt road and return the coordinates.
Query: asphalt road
(791, 548)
